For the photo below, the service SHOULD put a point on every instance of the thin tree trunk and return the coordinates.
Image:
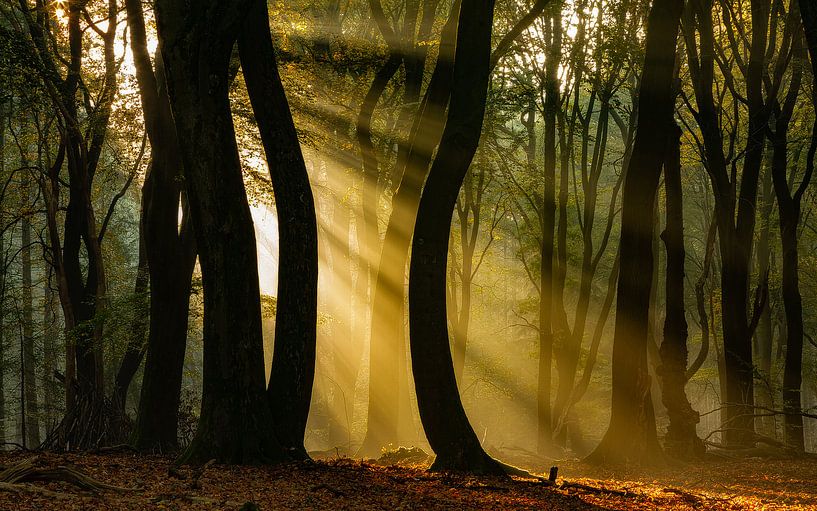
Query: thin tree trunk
(546, 250)
(682, 439)
(734, 206)
(700, 301)
(348, 348)
(50, 343)
(789, 212)
(5, 112)
(32, 414)
(762, 347)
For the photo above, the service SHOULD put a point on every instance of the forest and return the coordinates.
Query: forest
(414, 254)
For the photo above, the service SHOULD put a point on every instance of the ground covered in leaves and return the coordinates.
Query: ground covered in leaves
(151, 482)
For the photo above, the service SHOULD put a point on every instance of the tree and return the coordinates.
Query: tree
(682, 439)
(169, 252)
(293, 362)
(76, 248)
(631, 434)
(444, 420)
(735, 203)
(789, 207)
(235, 416)
(388, 313)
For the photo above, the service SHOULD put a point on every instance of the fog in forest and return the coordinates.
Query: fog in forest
(510, 233)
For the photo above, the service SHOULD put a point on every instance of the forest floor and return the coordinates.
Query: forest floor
(151, 482)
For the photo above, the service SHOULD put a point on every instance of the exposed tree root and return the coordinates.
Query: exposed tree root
(27, 471)
(30, 488)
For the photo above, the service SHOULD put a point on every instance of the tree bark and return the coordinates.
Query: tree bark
(447, 428)
(170, 253)
(30, 404)
(762, 346)
(293, 363)
(631, 435)
(734, 204)
(546, 250)
(808, 13)
(4, 114)
(789, 207)
(235, 416)
(682, 439)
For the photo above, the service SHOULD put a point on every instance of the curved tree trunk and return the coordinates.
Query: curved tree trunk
(447, 428)
(389, 288)
(293, 361)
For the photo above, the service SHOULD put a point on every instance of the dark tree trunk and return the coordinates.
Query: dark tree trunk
(553, 35)
(808, 13)
(631, 435)
(789, 216)
(736, 240)
(682, 439)
(447, 428)
(76, 248)
(293, 361)
(388, 313)
(762, 347)
(170, 254)
(235, 416)
(734, 205)
(51, 340)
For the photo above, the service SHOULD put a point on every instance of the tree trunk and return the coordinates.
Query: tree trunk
(347, 348)
(682, 439)
(136, 347)
(170, 252)
(808, 13)
(762, 346)
(631, 435)
(50, 348)
(789, 217)
(548, 212)
(293, 362)
(734, 205)
(32, 414)
(388, 311)
(4, 114)
(447, 428)
(700, 301)
(235, 415)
